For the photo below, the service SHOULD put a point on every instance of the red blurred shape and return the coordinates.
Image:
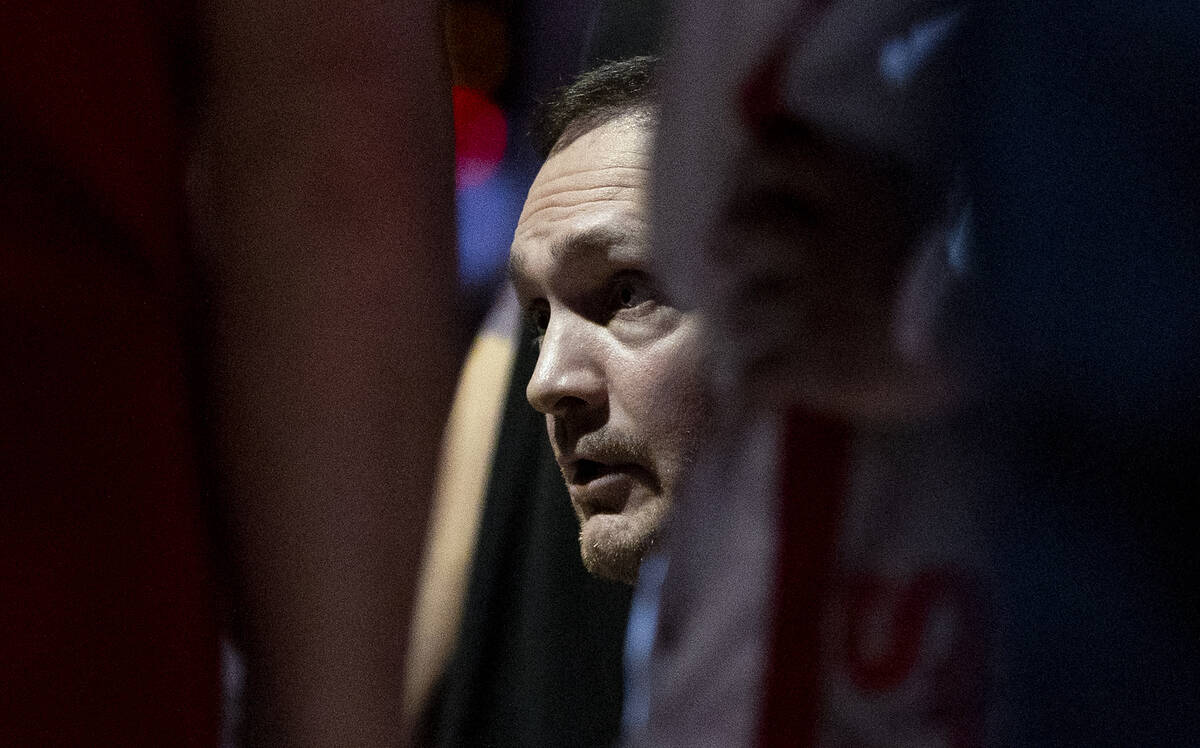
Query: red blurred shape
(480, 133)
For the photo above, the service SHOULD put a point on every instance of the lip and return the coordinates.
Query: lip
(600, 488)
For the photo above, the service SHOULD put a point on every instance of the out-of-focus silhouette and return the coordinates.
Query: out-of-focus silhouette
(996, 555)
(218, 416)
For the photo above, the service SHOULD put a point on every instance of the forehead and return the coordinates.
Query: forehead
(595, 187)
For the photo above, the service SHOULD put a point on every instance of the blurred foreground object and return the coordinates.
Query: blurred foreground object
(1083, 125)
(277, 381)
(802, 200)
(1009, 563)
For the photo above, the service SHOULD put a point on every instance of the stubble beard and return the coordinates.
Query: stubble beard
(618, 555)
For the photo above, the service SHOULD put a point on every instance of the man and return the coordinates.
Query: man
(538, 655)
(618, 371)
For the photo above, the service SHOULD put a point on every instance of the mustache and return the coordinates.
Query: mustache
(603, 445)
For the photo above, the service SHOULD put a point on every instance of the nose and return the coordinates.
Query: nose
(569, 373)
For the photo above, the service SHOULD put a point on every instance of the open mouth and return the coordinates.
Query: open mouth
(587, 471)
(608, 487)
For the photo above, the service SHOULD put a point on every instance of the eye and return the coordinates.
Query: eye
(630, 292)
(537, 318)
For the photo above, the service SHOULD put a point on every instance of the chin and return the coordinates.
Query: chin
(612, 545)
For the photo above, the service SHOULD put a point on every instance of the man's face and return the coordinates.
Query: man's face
(618, 372)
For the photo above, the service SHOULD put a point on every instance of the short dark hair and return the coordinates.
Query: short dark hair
(598, 96)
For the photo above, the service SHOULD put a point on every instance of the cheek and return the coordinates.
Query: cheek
(664, 392)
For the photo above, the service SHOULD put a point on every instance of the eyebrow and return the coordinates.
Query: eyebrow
(572, 248)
